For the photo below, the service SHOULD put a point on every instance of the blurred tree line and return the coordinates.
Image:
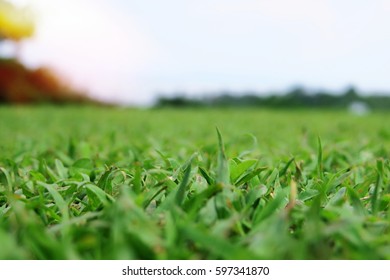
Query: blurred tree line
(18, 83)
(296, 98)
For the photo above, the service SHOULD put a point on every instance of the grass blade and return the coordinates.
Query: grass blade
(58, 199)
(183, 185)
(320, 167)
(223, 176)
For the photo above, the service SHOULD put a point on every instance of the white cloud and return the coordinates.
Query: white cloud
(147, 46)
(385, 5)
(91, 43)
(309, 11)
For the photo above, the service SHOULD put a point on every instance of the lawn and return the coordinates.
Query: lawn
(116, 183)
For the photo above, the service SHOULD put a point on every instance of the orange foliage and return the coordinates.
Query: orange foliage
(21, 85)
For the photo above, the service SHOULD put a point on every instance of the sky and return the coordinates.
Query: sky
(132, 50)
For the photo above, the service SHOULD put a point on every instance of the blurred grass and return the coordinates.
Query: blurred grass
(112, 183)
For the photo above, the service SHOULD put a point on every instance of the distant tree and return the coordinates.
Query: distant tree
(296, 98)
(177, 101)
(16, 24)
(351, 93)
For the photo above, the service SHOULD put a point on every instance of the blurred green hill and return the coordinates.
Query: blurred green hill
(296, 98)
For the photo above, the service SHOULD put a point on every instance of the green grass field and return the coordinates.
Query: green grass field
(112, 183)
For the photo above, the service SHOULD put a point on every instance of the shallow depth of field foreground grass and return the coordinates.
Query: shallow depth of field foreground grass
(106, 183)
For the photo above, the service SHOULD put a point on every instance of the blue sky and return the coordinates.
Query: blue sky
(128, 50)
